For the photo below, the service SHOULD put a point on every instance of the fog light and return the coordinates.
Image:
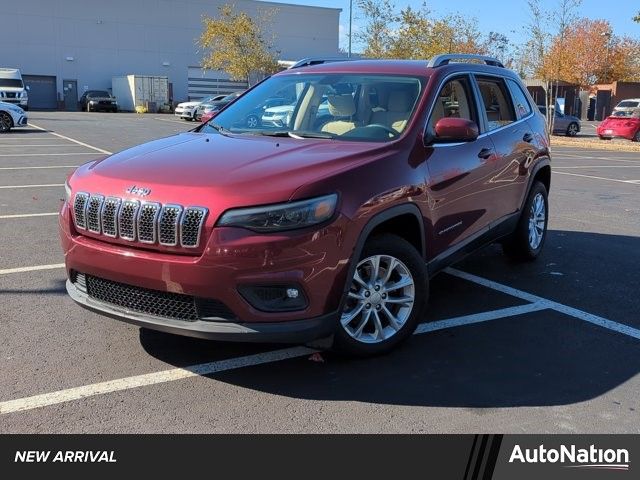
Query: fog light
(274, 298)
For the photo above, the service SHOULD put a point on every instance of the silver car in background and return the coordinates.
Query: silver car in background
(563, 124)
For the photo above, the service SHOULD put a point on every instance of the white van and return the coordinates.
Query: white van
(12, 89)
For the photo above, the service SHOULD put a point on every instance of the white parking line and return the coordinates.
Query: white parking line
(598, 166)
(33, 186)
(44, 154)
(587, 157)
(42, 145)
(52, 266)
(37, 168)
(181, 122)
(25, 137)
(559, 307)
(174, 374)
(28, 215)
(72, 140)
(154, 378)
(632, 182)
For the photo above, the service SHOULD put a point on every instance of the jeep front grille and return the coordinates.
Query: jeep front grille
(151, 302)
(144, 222)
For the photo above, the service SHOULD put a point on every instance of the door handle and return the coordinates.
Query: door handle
(527, 137)
(485, 153)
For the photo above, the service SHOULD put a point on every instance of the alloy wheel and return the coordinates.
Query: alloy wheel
(537, 219)
(572, 130)
(380, 299)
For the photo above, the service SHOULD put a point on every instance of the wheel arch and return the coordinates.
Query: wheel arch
(384, 222)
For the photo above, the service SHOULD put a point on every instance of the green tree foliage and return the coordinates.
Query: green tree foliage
(238, 44)
(414, 33)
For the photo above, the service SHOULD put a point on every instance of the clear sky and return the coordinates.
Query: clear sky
(503, 16)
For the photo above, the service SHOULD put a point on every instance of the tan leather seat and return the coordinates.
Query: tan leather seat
(342, 107)
(397, 113)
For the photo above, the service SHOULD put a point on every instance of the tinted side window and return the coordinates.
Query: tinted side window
(523, 107)
(497, 103)
(454, 100)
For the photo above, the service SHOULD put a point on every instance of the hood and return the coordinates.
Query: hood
(280, 109)
(220, 172)
(12, 89)
(12, 105)
(188, 104)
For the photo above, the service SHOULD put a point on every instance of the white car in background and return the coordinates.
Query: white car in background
(11, 116)
(187, 110)
(626, 107)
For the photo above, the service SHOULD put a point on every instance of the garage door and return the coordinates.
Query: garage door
(203, 83)
(42, 91)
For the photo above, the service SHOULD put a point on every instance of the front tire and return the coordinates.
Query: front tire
(636, 138)
(386, 298)
(572, 129)
(5, 122)
(526, 242)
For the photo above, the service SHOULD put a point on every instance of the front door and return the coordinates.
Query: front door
(459, 173)
(70, 89)
(505, 111)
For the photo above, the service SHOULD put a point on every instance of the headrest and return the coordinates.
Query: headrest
(398, 101)
(341, 105)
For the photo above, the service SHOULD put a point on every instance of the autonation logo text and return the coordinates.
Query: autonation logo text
(573, 457)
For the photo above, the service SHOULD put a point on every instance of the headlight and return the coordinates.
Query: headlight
(67, 191)
(15, 109)
(284, 216)
(92, 102)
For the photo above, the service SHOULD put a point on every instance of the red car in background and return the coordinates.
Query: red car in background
(621, 126)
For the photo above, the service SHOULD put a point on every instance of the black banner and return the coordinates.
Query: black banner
(463, 457)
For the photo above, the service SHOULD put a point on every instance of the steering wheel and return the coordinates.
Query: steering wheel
(392, 133)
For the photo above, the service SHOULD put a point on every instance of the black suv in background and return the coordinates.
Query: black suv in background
(95, 100)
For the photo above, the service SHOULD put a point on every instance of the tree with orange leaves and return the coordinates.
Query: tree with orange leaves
(588, 53)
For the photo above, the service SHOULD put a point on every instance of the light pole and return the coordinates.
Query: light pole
(350, 25)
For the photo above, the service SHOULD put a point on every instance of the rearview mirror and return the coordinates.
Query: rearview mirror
(453, 129)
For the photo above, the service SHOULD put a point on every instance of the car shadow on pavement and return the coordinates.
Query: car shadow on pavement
(57, 288)
(542, 358)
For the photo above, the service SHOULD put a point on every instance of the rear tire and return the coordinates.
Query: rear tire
(526, 242)
(636, 138)
(386, 298)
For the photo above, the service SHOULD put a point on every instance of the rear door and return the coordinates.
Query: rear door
(505, 124)
(461, 200)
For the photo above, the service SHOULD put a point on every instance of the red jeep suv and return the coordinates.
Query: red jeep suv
(327, 226)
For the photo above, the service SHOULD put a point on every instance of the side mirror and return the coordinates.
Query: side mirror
(453, 129)
(27, 87)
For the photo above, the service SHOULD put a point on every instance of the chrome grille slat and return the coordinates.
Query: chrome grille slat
(168, 225)
(93, 213)
(127, 219)
(147, 220)
(191, 226)
(79, 206)
(151, 223)
(110, 209)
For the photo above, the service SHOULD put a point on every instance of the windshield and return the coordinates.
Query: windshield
(628, 104)
(11, 82)
(332, 106)
(98, 93)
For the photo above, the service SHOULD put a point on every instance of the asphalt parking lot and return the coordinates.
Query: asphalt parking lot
(549, 347)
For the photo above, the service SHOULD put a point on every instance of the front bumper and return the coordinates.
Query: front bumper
(316, 261)
(298, 331)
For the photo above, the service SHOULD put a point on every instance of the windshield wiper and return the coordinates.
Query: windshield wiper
(293, 134)
(219, 128)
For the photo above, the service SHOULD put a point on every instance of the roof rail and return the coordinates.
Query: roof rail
(445, 59)
(306, 62)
